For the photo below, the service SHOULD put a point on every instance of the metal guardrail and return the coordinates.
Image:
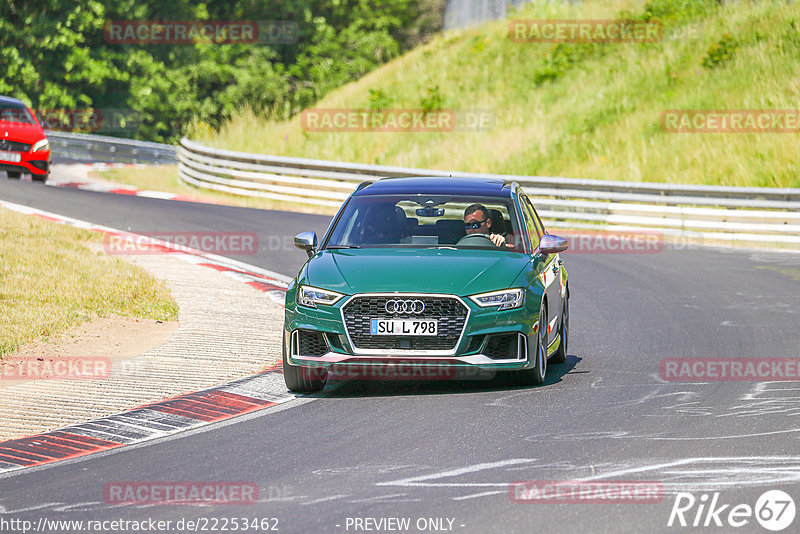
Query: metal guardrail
(72, 147)
(697, 211)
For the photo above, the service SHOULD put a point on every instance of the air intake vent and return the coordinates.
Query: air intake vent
(503, 346)
(309, 343)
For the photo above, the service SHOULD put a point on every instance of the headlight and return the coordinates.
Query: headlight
(311, 296)
(40, 145)
(506, 299)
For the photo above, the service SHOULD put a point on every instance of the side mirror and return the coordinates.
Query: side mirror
(306, 241)
(551, 244)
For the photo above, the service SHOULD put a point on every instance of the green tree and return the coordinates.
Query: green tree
(53, 54)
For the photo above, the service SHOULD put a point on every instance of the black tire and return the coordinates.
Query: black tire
(303, 379)
(536, 376)
(40, 177)
(13, 175)
(560, 356)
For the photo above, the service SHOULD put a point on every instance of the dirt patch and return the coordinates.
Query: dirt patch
(117, 338)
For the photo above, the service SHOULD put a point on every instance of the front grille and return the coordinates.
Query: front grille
(502, 346)
(13, 146)
(311, 343)
(450, 312)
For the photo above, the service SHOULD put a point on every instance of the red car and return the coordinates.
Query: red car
(23, 146)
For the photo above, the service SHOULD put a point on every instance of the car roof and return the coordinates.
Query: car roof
(432, 185)
(12, 100)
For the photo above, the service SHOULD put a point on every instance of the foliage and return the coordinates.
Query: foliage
(54, 56)
(432, 100)
(720, 52)
(379, 99)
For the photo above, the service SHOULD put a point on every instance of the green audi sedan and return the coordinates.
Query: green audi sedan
(428, 273)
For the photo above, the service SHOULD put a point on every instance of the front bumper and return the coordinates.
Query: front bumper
(37, 163)
(333, 346)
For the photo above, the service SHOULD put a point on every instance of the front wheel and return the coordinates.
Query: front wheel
(560, 356)
(40, 177)
(302, 379)
(536, 376)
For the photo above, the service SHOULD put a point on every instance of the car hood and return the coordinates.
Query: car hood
(20, 132)
(460, 272)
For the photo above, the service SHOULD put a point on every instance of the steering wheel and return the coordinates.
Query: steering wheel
(476, 240)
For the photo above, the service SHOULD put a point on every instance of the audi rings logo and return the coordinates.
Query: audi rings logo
(405, 306)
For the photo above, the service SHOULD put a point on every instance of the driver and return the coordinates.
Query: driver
(477, 221)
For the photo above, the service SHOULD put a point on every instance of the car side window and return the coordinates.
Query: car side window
(529, 217)
(536, 220)
(539, 224)
(535, 216)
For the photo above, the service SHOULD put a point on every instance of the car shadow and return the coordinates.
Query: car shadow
(382, 387)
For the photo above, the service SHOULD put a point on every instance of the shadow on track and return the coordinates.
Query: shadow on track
(375, 387)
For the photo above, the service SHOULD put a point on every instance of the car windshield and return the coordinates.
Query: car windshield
(10, 112)
(423, 221)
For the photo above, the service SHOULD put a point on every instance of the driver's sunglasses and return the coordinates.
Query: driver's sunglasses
(474, 225)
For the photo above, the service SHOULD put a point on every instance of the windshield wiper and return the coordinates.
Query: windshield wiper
(337, 247)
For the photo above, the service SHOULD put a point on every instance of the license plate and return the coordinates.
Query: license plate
(10, 156)
(403, 327)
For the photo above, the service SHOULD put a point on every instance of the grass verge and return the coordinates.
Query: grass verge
(50, 281)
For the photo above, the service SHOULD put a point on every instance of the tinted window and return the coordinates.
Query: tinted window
(15, 113)
(531, 219)
(417, 221)
(539, 223)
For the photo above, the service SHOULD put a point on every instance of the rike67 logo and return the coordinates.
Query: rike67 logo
(774, 510)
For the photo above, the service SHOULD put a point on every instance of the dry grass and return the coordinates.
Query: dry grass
(50, 281)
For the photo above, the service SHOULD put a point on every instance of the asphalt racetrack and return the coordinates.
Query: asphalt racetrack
(367, 455)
